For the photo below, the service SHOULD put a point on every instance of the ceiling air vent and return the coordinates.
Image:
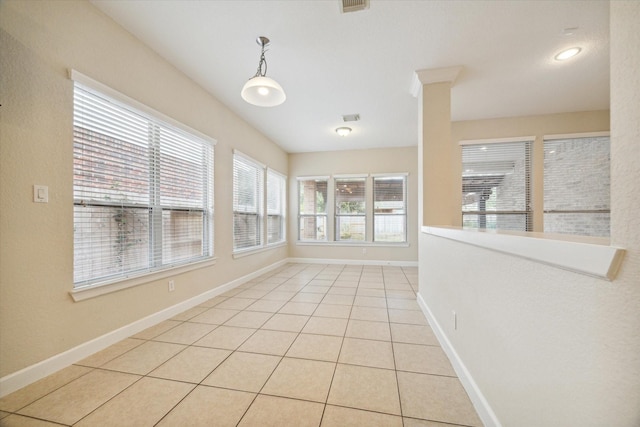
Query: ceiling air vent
(351, 117)
(353, 5)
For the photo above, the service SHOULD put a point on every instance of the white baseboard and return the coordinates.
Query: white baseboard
(352, 262)
(480, 403)
(33, 373)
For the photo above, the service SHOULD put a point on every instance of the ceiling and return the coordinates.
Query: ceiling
(332, 63)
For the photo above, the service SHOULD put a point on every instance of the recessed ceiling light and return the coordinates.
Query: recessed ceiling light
(343, 131)
(566, 54)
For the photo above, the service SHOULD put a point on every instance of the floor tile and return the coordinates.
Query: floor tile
(402, 304)
(87, 393)
(237, 303)
(215, 316)
(346, 283)
(304, 296)
(341, 291)
(316, 347)
(20, 421)
(26, 395)
(266, 306)
(413, 422)
(253, 293)
(243, 371)
(365, 301)
(436, 398)
(301, 379)
(376, 293)
(269, 342)
(270, 411)
(279, 296)
(186, 333)
(156, 330)
(4, 414)
(304, 308)
(370, 284)
(100, 358)
(144, 358)
(191, 365)
(423, 359)
(366, 388)
(209, 406)
(368, 330)
(144, 403)
(336, 416)
(332, 310)
(188, 314)
(316, 289)
(376, 354)
(225, 337)
(286, 322)
(407, 316)
(338, 299)
(413, 334)
(325, 326)
(248, 319)
(369, 313)
(401, 294)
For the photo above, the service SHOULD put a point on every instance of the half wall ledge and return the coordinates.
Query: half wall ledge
(592, 256)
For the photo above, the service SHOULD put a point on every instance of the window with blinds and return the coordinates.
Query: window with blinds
(576, 186)
(312, 209)
(276, 217)
(142, 189)
(350, 214)
(496, 185)
(390, 209)
(248, 177)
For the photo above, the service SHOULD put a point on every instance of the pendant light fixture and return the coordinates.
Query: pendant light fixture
(261, 90)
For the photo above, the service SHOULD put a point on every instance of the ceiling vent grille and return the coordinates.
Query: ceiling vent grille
(347, 6)
(351, 117)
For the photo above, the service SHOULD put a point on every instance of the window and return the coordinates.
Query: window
(350, 209)
(576, 186)
(276, 224)
(248, 177)
(496, 185)
(312, 218)
(142, 188)
(390, 208)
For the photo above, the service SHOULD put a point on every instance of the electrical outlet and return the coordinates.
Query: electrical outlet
(455, 320)
(172, 286)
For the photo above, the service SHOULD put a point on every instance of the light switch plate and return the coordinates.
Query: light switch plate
(41, 194)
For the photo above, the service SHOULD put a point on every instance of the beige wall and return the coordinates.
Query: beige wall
(40, 41)
(391, 160)
(549, 347)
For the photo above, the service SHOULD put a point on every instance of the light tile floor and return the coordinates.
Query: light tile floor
(306, 345)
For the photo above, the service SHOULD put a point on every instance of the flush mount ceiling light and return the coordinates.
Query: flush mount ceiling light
(261, 90)
(343, 131)
(568, 53)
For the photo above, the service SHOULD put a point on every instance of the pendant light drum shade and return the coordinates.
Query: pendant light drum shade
(263, 92)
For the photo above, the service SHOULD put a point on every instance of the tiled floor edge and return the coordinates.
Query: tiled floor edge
(37, 371)
(480, 403)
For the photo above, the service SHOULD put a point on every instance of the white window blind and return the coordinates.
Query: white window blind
(276, 212)
(496, 186)
(577, 185)
(350, 209)
(248, 201)
(390, 208)
(312, 209)
(143, 191)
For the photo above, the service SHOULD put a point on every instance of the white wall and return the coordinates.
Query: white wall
(549, 347)
(40, 41)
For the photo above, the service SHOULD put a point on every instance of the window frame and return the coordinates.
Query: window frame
(259, 197)
(280, 213)
(404, 177)
(316, 214)
(153, 206)
(337, 215)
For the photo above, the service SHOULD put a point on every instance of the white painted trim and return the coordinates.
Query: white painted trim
(352, 262)
(352, 244)
(312, 178)
(33, 373)
(248, 158)
(480, 403)
(576, 135)
(592, 256)
(433, 75)
(496, 140)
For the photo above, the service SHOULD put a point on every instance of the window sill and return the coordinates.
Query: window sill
(592, 256)
(354, 244)
(104, 288)
(251, 251)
